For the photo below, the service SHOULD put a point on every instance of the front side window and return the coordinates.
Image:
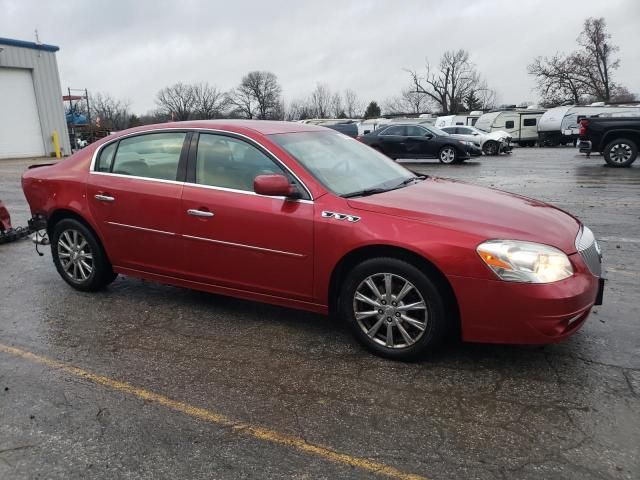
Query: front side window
(414, 131)
(509, 124)
(152, 155)
(342, 164)
(228, 162)
(395, 130)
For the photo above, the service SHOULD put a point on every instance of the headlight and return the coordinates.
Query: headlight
(516, 261)
(469, 144)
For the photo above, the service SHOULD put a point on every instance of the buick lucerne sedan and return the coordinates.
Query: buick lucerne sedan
(305, 217)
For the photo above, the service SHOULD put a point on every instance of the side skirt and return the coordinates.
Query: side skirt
(231, 292)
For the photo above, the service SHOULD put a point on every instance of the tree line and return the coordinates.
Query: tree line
(452, 85)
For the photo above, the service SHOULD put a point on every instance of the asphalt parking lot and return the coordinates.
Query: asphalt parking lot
(151, 381)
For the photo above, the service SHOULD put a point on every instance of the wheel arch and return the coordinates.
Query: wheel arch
(613, 135)
(63, 213)
(360, 254)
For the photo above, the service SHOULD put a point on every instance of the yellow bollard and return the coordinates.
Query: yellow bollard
(56, 143)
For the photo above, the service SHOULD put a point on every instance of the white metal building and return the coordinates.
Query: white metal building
(31, 106)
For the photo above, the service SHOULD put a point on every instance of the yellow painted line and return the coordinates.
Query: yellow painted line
(218, 419)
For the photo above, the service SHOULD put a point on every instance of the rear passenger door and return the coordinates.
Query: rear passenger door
(235, 238)
(134, 192)
(392, 141)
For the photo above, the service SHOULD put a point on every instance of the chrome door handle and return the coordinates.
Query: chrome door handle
(104, 198)
(199, 213)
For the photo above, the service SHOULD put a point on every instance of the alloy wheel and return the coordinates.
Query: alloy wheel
(390, 310)
(447, 155)
(75, 255)
(621, 153)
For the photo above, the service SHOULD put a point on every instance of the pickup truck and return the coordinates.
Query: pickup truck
(617, 138)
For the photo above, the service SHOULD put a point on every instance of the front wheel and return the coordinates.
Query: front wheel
(490, 148)
(79, 257)
(393, 308)
(621, 152)
(448, 155)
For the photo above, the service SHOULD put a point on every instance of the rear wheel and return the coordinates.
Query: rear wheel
(393, 308)
(621, 152)
(448, 155)
(79, 257)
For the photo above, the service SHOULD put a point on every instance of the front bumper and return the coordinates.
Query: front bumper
(494, 311)
(473, 150)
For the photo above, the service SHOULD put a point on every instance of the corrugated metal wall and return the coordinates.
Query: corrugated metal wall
(46, 80)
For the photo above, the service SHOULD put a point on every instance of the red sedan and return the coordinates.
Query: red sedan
(305, 217)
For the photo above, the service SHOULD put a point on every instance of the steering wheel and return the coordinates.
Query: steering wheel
(342, 167)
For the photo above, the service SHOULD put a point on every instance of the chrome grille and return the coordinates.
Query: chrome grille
(589, 250)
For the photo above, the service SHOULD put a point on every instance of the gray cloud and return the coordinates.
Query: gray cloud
(132, 49)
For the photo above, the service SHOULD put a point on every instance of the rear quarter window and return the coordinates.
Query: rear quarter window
(105, 158)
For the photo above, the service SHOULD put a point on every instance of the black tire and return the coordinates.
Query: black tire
(490, 148)
(621, 152)
(426, 340)
(448, 155)
(90, 255)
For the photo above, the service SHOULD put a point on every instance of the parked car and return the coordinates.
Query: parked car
(521, 124)
(561, 125)
(419, 141)
(304, 217)
(617, 138)
(492, 143)
(350, 129)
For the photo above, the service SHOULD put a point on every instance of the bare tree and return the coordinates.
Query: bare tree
(176, 101)
(557, 79)
(209, 101)
(454, 79)
(583, 75)
(352, 105)
(337, 111)
(258, 95)
(321, 101)
(409, 101)
(596, 61)
(109, 112)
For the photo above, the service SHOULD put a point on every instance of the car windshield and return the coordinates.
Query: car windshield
(344, 165)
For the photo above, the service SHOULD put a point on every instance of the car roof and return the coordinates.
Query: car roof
(265, 127)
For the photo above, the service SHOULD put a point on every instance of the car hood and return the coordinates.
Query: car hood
(497, 135)
(485, 212)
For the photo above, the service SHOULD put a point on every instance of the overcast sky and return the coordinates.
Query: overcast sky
(132, 49)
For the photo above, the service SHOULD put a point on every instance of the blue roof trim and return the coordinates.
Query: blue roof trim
(33, 45)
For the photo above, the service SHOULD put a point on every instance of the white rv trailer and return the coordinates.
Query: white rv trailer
(469, 119)
(560, 125)
(520, 124)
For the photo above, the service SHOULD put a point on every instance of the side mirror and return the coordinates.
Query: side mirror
(428, 135)
(275, 186)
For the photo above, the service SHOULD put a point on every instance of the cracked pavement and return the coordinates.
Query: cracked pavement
(471, 411)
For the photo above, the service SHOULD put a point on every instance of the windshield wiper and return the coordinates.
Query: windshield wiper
(412, 179)
(365, 192)
(373, 191)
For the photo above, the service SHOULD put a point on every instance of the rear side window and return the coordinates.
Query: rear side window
(153, 155)
(103, 164)
(397, 130)
(509, 124)
(529, 122)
